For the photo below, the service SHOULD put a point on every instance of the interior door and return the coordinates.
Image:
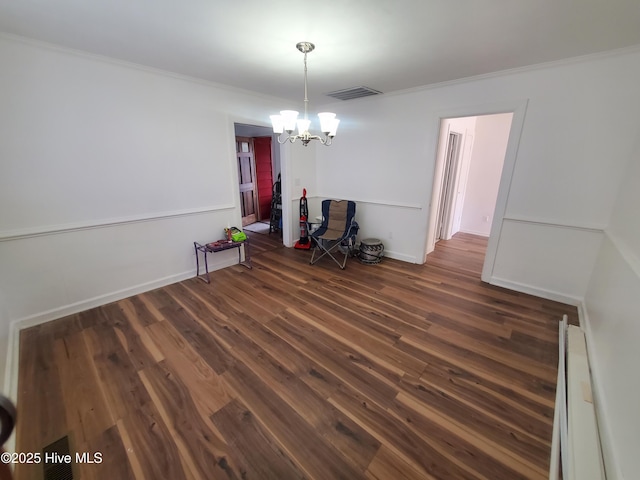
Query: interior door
(264, 175)
(448, 186)
(247, 178)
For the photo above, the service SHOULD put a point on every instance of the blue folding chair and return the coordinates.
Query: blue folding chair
(337, 232)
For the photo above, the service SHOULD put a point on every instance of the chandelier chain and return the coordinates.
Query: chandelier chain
(306, 99)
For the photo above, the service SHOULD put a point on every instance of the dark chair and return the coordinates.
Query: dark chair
(337, 232)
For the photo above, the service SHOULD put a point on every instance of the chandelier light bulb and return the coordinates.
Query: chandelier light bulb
(278, 123)
(328, 122)
(303, 126)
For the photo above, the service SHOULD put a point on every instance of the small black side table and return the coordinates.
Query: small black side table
(219, 246)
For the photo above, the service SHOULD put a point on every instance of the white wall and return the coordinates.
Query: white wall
(485, 169)
(298, 172)
(566, 174)
(108, 173)
(612, 307)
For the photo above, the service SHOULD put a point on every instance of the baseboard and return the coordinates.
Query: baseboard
(16, 326)
(83, 305)
(399, 256)
(472, 232)
(536, 291)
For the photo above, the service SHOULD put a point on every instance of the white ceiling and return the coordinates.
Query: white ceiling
(387, 45)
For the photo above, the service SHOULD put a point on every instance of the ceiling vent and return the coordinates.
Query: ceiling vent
(354, 92)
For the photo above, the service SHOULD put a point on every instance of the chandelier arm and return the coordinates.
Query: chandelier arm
(326, 140)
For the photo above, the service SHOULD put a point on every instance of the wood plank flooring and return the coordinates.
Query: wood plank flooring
(291, 371)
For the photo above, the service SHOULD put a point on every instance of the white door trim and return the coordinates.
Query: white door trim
(518, 108)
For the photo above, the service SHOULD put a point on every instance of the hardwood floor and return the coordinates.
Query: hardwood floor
(388, 371)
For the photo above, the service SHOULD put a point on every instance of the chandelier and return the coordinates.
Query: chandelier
(288, 119)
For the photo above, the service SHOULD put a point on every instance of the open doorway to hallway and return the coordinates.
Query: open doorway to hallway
(469, 166)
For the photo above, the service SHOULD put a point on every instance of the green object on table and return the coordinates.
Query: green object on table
(237, 235)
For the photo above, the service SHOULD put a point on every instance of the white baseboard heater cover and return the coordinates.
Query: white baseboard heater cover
(576, 442)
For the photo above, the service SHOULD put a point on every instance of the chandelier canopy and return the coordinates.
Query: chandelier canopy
(288, 119)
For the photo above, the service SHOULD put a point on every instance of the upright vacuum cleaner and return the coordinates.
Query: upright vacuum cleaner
(304, 243)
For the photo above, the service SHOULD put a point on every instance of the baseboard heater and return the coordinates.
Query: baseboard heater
(575, 450)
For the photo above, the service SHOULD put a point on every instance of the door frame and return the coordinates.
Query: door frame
(518, 108)
(449, 182)
(460, 172)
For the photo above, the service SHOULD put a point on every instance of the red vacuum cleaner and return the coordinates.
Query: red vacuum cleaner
(304, 243)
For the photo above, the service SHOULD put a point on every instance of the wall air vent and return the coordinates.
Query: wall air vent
(354, 92)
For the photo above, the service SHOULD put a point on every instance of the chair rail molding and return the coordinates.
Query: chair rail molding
(20, 234)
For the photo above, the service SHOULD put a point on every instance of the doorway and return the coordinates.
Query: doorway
(469, 167)
(247, 179)
(255, 175)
